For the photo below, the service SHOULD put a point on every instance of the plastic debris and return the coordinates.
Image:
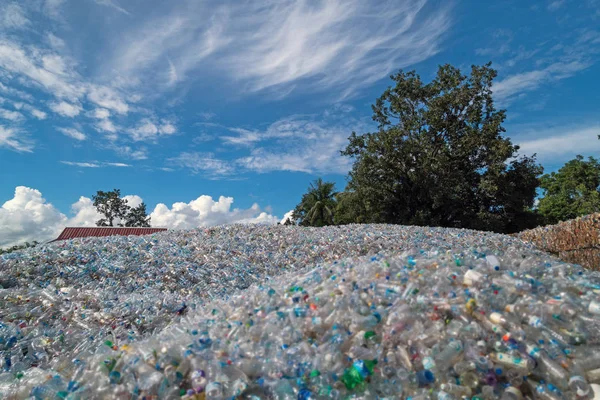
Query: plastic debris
(252, 312)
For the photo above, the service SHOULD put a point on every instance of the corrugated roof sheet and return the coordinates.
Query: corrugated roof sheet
(74, 232)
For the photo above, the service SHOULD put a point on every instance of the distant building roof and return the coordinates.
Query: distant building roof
(81, 232)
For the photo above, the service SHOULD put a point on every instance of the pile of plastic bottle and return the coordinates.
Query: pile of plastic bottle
(364, 312)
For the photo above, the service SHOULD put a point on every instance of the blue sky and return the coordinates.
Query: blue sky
(171, 101)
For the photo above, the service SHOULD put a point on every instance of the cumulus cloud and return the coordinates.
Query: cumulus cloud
(287, 216)
(72, 133)
(204, 211)
(66, 109)
(28, 216)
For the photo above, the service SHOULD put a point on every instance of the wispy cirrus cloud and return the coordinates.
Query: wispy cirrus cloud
(73, 133)
(510, 87)
(112, 4)
(203, 163)
(15, 139)
(271, 45)
(95, 164)
(556, 144)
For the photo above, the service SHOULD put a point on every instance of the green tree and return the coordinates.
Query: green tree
(571, 192)
(111, 206)
(137, 216)
(439, 158)
(317, 206)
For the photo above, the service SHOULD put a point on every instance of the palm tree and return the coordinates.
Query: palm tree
(318, 205)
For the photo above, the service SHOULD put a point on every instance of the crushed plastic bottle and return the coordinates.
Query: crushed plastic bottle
(367, 311)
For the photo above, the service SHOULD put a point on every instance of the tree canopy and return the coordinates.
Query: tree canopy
(138, 217)
(116, 210)
(317, 206)
(571, 192)
(439, 158)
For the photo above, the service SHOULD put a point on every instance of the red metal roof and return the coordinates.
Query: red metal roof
(71, 233)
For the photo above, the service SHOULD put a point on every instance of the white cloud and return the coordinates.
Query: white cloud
(106, 125)
(15, 59)
(555, 5)
(72, 133)
(12, 16)
(120, 165)
(204, 211)
(207, 116)
(113, 4)
(81, 164)
(13, 116)
(108, 98)
(173, 78)
(133, 200)
(53, 8)
(508, 88)
(66, 109)
(299, 143)
(55, 42)
(348, 44)
(14, 139)
(148, 130)
(96, 164)
(16, 93)
(167, 129)
(84, 213)
(286, 216)
(202, 163)
(135, 154)
(38, 114)
(28, 216)
(100, 113)
(556, 145)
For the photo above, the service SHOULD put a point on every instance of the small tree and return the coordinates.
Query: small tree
(571, 192)
(111, 206)
(138, 217)
(317, 206)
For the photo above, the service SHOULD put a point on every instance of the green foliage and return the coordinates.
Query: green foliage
(138, 217)
(19, 247)
(115, 210)
(571, 192)
(111, 205)
(439, 158)
(317, 206)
